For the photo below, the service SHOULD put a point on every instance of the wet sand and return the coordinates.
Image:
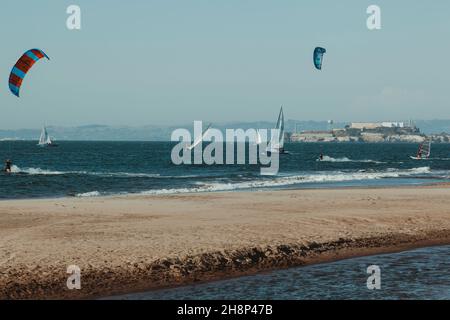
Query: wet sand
(137, 243)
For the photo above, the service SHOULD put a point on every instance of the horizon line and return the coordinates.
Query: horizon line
(208, 121)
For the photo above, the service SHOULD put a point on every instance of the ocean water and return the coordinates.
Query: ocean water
(87, 169)
(418, 274)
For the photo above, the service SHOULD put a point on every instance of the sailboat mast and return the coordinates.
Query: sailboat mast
(281, 140)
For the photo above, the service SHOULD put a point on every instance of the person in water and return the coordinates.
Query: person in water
(419, 154)
(321, 157)
(8, 165)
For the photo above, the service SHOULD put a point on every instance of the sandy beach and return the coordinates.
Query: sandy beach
(136, 243)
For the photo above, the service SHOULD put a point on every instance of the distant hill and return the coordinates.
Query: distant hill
(162, 133)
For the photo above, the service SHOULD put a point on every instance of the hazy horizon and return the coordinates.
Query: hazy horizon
(99, 132)
(219, 123)
(139, 63)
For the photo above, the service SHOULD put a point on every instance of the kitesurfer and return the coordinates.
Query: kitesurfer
(8, 165)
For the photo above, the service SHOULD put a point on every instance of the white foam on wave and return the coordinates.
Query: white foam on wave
(441, 159)
(331, 159)
(125, 174)
(292, 180)
(35, 171)
(39, 171)
(345, 159)
(420, 170)
(88, 194)
(278, 181)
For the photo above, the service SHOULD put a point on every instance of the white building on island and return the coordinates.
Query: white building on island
(376, 125)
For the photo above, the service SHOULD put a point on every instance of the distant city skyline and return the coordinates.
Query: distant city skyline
(166, 63)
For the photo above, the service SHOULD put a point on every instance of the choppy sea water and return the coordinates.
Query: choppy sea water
(418, 274)
(86, 169)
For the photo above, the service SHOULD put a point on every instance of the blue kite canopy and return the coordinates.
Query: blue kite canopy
(318, 57)
(22, 66)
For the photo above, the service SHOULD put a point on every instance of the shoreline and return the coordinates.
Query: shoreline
(327, 257)
(249, 190)
(140, 243)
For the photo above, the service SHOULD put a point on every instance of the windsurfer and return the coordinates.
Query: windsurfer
(419, 153)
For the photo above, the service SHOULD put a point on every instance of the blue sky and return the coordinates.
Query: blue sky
(172, 62)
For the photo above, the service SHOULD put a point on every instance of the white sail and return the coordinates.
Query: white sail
(427, 148)
(199, 139)
(44, 137)
(276, 143)
(258, 138)
(424, 151)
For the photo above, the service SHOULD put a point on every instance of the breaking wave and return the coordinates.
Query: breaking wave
(260, 182)
(291, 180)
(88, 194)
(420, 170)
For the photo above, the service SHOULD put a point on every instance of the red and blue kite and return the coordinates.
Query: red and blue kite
(22, 66)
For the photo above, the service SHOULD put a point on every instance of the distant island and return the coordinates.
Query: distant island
(371, 132)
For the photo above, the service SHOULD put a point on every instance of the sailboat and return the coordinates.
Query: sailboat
(199, 139)
(424, 150)
(258, 138)
(276, 144)
(45, 140)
